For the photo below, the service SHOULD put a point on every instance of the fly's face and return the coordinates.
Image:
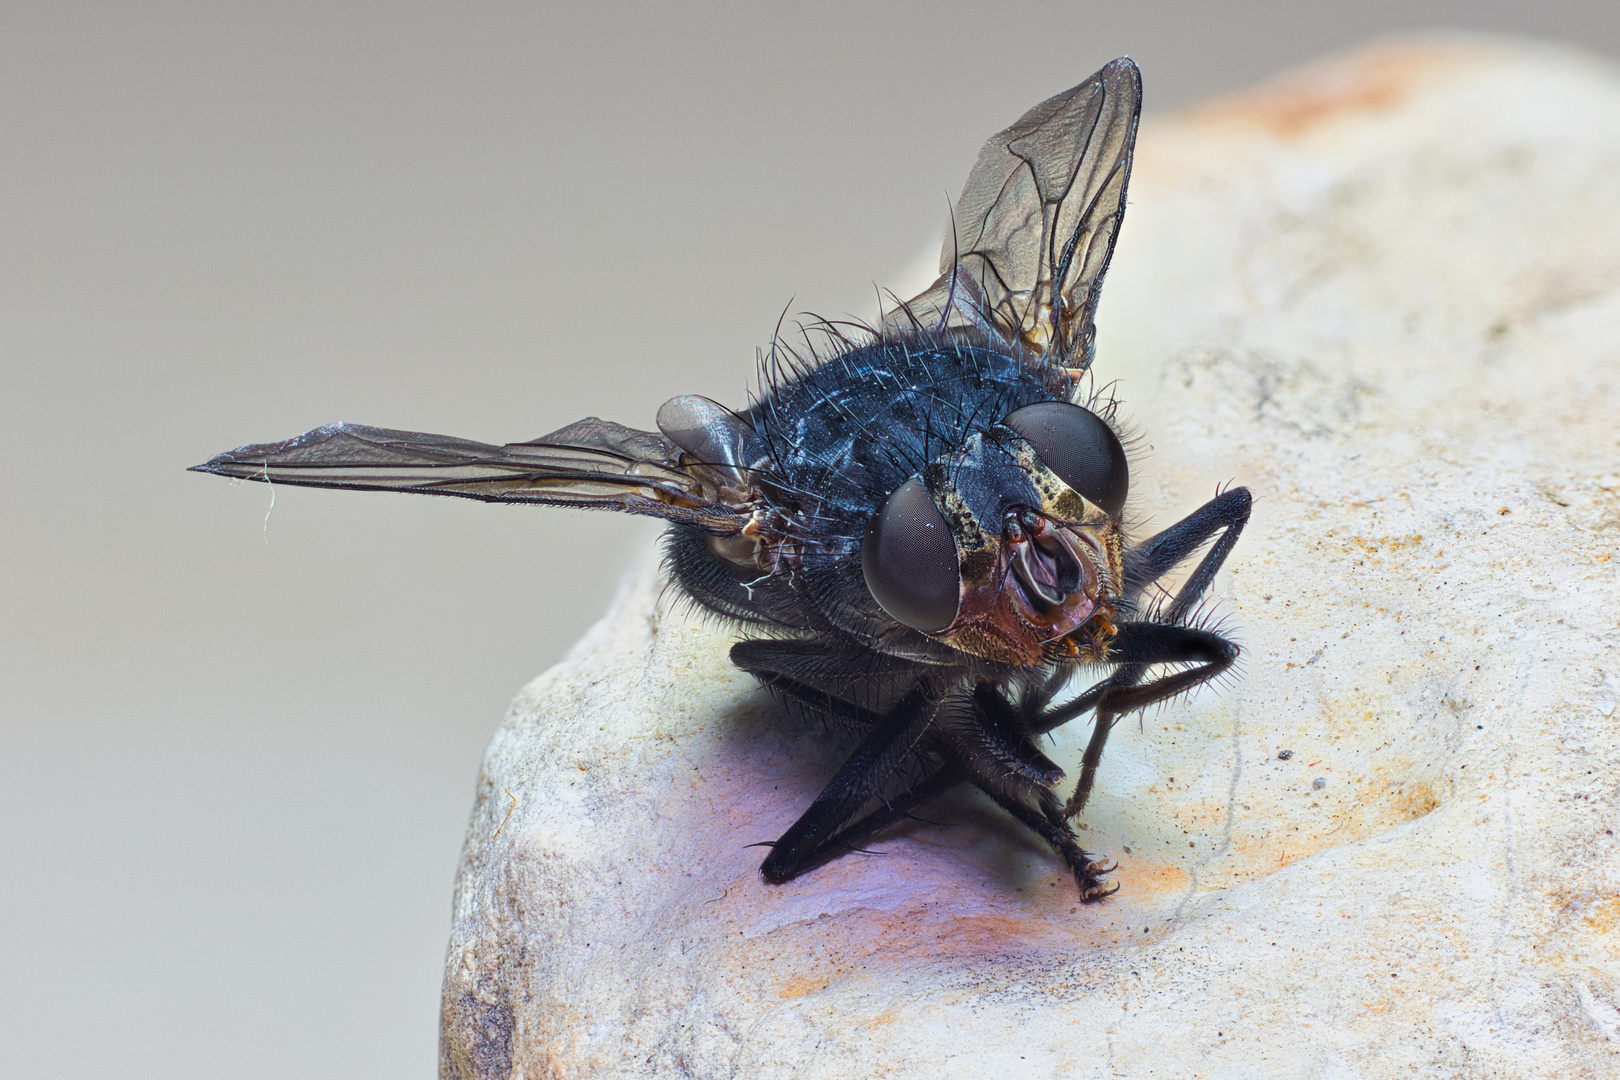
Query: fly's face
(1009, 547)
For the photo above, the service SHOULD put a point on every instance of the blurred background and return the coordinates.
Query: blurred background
(237, 744)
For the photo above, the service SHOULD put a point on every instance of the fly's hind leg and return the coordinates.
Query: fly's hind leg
(819, 835)
(806, 852)
(824, 831)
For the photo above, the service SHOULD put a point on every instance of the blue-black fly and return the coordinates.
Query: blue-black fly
(917, 526)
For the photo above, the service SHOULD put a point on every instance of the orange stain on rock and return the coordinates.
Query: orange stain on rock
(1373, 79)
(802, 985)
(1413, 800)
(959, 926)
(1144, 877)
(1604, 915)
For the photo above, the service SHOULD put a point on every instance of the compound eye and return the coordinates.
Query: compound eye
(909, 559)
(1080, 447)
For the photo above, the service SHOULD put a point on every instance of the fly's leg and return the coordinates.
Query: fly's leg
(1140, 646)
(999, 752)
(814, 838)
(1000, 742)
(832, 680)
(858, 834)
(1226, 514)
(820, 835)
(1049, 823)
(1156, 557)
(817, 700)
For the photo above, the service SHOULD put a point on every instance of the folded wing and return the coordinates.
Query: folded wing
(591, 463)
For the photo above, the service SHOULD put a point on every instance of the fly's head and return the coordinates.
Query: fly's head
(1009, 547)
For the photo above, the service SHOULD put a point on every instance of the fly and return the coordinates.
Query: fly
(917, 527)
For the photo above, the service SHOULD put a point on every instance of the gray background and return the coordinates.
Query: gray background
(236, 756)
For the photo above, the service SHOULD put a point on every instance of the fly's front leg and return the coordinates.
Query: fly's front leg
(1226, 514)
(1138, 647)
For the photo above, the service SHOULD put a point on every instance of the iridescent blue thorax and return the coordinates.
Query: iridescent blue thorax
(846, 434)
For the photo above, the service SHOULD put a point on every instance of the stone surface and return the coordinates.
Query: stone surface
(1385, 294)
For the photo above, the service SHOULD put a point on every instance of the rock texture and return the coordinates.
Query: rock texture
(1385, 294)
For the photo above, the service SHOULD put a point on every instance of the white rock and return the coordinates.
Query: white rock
(1385, 294)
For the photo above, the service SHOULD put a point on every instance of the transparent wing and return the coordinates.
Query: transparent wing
(591, 463)
(1036, 223)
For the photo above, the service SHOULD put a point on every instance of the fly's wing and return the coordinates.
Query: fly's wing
(1036, 223)
(591, 463)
